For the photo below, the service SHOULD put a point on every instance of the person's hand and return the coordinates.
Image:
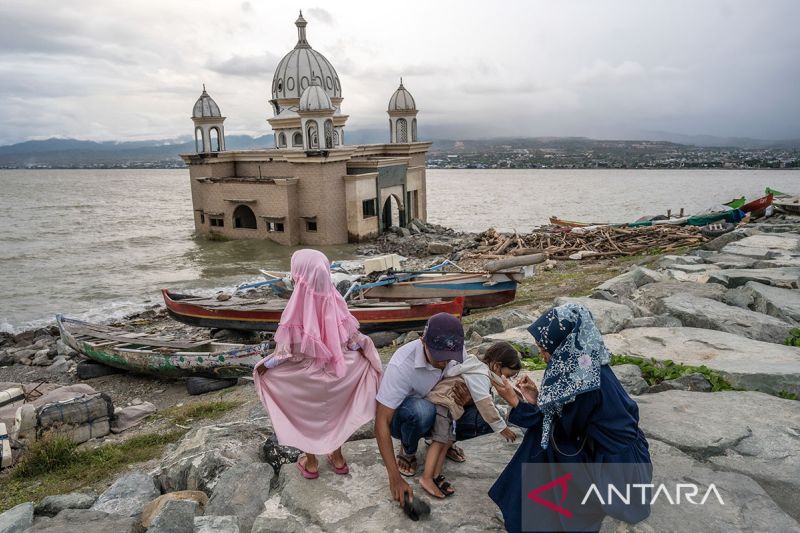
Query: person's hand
(528, 389)
(507, 392)
(260, 369)
(461, 393)
(509, 435)
(399, 489)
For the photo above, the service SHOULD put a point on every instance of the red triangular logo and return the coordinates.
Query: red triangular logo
(560, 482)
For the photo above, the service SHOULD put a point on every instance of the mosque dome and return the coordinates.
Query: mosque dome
(315, 98)
(402, 100)
(299, 67)
(205, 106)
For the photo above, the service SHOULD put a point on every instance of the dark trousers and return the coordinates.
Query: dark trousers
(413, 420)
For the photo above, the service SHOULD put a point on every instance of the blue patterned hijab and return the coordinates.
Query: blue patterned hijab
(577, 352)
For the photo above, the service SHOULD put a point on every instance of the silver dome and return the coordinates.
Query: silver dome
(402, 100)
(315, 98)
(296, 70)
(205, 106)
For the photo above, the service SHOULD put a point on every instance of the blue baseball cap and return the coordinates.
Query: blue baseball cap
(444, 337)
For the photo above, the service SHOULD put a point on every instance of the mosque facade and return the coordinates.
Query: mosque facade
(311, 187)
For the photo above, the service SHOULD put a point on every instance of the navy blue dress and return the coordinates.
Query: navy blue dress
(608, 420)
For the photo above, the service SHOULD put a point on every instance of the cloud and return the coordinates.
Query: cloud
(605, 72)
(246, 66)
(319, 14)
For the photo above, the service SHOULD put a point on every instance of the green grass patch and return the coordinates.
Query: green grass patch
(655, 372)
(55, 465)
(187, 413)
(786, 395)
(794, 338)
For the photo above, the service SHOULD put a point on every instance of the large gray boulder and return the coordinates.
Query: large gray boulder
(788, 277)
(650, 295)
(710, 314)
(670, 261)
(625, 284)
(241, 491)
(510, 318)
(723, 240)
(774, 301)
(746, 506)
(519, 337)
(128, 495)
(52, 505)
(765, 246)
(743, 362)
(198, 459)
(360, 501)
(177, 516)
(17, 519)
(746, 432)
(630, 377)
(609, 317)
(730, 260)
(216, 524)
(85, 521)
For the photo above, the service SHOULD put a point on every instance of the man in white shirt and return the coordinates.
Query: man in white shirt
(403, 413)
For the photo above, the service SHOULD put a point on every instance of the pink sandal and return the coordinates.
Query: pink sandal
(305, 473)
(340, 470)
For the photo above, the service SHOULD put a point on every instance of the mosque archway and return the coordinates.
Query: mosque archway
(244, 218)
(392, 212)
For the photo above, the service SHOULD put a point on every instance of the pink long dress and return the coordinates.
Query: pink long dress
(320, 383)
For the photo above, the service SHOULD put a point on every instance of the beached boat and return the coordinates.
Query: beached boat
(736, 203)
(777, 194)
(158, 355)
(790, 204)
(758, 204)
(265, 314)
(479, 289)
(574, 224)
(731, 215)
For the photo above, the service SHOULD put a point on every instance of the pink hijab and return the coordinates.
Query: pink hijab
(316, 322)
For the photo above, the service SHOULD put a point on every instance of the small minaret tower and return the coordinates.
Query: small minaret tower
(209, 131)
(402, 116)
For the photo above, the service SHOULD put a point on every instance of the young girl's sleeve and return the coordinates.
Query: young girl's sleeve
(480, 390)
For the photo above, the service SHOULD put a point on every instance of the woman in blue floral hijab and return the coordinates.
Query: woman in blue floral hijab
(581, 422)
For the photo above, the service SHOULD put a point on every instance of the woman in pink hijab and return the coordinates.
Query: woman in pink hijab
(319, 384)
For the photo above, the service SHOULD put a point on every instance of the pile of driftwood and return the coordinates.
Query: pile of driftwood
(586, 243)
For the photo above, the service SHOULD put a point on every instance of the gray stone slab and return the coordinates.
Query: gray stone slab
(216, 524)
(774, 301)
(85, 521)
(745, 505)
(745, 363)
(730, 260)
(241, 491)
(17, 519)
(788, 278)
(697, 312)
(608, 316)
(746, 432)
(649, 295)
(128, 495)
(360, 501)
(764, 246)
(52, 505)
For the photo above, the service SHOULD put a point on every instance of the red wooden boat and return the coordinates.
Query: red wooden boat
(757, 205)
(264, 315)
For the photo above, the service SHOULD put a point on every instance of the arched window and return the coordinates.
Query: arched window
(214, 141)
(336, 138)
(282, 140)
(402, 130)
(297, 139)
(328, 134)
(312, 136)
(244, 218)
(198, 140)
(413, 130)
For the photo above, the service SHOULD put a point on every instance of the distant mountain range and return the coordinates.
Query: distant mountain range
(73, 153)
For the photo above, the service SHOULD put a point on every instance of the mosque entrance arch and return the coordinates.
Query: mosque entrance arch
(392, 213)
(244, 218)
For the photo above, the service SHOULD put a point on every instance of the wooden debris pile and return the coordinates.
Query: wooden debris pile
(586, 243)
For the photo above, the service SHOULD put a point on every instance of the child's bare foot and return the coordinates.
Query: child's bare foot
(438, 487)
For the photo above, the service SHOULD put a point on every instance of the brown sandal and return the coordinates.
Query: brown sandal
(456, 454)
(407, 463)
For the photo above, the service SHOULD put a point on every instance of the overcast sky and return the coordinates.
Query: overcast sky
(132, 69)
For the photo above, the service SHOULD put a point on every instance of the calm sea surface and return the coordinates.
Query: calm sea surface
(101, 243)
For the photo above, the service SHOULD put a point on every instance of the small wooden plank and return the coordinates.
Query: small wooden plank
(146, 339)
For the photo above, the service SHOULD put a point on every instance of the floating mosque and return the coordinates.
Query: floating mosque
(311, 187)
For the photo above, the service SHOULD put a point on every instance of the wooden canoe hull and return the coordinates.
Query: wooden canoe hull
(757, 205)
(260, 318)
(222, 360)
(478, 290)
(790, 204)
